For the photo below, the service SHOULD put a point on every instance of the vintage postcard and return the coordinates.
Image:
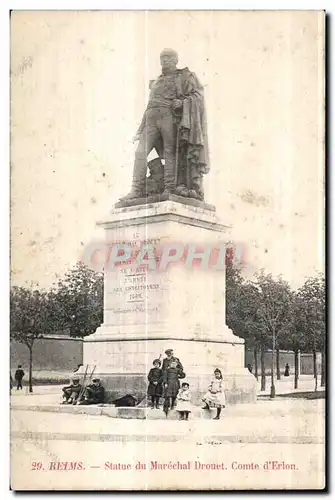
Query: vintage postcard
(167, 299)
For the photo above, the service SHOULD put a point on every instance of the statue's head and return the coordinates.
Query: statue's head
(169, 60)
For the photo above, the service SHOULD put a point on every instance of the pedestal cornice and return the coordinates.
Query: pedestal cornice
(164, 211)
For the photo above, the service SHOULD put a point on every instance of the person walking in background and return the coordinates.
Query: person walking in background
(287, 370)
(215, 396)
(171, 383)
(155, 388)
(184, 401)
(19, 374)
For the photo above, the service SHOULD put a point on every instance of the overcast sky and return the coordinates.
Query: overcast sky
(79, 88)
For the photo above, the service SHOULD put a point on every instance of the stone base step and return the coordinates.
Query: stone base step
(113, 412)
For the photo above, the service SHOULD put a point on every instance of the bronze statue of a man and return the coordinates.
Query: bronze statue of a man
(174, 123)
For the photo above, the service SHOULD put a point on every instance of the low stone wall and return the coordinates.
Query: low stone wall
(54, 353)
(63, 354)
(306, 361)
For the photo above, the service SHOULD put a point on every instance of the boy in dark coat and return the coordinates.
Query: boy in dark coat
(71, 392)
(171, 383)
(94, 393)
(155, 388)
(19, 374)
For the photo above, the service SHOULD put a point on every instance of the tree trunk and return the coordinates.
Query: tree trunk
(296, 368)
(278, 364)
(273, 366)
(315, 370)
(30, 369)
(256, 362)
(323, 362)
(314, 363)
(263, 379)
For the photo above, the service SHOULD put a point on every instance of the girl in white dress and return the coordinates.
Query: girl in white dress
(184, 401)
(215, 396)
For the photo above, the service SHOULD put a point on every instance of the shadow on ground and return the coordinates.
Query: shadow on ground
(297, 395)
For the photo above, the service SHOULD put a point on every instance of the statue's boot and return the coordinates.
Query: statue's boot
(132, 195)
(139, 177)
(169, 176)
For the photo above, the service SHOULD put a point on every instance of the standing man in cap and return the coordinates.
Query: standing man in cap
(171, 383)
(174, 123)
(168, 360)
(172, 371)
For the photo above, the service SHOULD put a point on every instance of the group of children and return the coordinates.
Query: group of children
(165, 382)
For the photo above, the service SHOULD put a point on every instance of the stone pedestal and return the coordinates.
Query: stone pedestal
(147, 310)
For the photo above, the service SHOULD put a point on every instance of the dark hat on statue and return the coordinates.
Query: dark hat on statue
(169, 351)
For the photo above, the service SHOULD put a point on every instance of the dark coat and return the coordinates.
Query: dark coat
(19, 374)
(155, 375)
(127, 400)
(167, 362)
(95, 393)
(171, 377)
(192, 129)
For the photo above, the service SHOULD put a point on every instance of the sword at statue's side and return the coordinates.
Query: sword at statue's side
(177, 153)
(178, 119)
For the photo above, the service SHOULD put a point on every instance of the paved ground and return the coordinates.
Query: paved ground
(287, 433)
(285, 421)
(299, 416)
(285, 430)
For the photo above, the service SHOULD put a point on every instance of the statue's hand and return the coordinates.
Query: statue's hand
(177, 103)
(136, 138)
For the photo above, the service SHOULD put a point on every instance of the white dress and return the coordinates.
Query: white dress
(215, 396)
(183, 400)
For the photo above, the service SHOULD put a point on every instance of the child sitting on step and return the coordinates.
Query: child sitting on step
(215, 396)
(183, 401)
